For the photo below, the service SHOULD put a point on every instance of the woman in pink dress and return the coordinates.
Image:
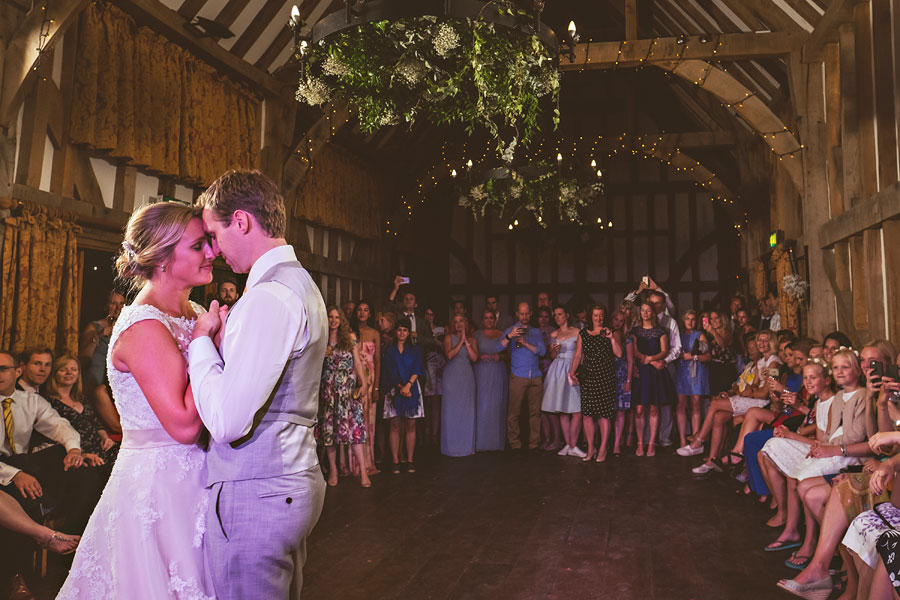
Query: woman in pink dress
(370, 352)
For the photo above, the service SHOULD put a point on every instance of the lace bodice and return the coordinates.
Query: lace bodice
(134, 410)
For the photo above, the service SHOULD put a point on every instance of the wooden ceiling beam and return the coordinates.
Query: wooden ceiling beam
(230, 12)
(826, 31)
(724, 47)
(170, 24)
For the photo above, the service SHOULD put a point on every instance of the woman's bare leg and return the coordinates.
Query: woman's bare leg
(681, 419)
(715, 407)
(881, 588)
(639, 429)
(620, 426)
(654, 427)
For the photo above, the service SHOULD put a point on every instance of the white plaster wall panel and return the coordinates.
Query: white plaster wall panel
(270, 32)
(144, 187)
(47, 164)
(184, 193)
(106, 178)
(243, 21)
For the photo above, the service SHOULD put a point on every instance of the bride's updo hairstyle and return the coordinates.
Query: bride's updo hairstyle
(150, 237)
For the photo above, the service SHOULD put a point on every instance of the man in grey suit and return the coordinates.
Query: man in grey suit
(255, 373)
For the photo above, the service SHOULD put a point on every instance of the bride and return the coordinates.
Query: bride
(144, 538)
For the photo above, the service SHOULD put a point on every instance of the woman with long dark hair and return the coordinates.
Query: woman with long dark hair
(362, 323)
(403, 368)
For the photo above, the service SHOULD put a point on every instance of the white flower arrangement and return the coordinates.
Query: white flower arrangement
(794, 286)
(313, 91)
(412, 71)
(333, 66)
(445, 39)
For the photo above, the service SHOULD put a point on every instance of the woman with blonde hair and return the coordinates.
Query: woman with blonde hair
(128, 549)
(63, 392)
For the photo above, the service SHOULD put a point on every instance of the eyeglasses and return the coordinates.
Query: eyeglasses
(5, 369)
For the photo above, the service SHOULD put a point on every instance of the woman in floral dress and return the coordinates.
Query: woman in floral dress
(341, 419)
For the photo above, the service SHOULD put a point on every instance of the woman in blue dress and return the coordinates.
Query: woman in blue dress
(562, 396)
(621, 327)
(693, 379)
(402, 370)
(654, 386)
(458, 403)
(491, 383)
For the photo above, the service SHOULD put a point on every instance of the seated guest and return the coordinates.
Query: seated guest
(458, 403)
(51, 477)
(833, 342)
(854, 494)
(64, 393)
(526, 346)
(723, 361)
(693, 380)
(817, 350)
(850, 422)
(227, 292)
(734, 403)
(562, 397)
(491, 381)
(742, 329)
(341, 419)
(93, 345)
(402, 370)
(35, 364)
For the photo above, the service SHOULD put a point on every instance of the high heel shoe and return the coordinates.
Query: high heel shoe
(588, 456)
(816, 590)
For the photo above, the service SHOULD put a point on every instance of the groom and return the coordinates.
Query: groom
(256, 386)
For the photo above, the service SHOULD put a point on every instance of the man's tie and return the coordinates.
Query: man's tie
(8, 423)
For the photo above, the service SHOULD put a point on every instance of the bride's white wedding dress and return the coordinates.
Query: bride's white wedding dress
(144, 539)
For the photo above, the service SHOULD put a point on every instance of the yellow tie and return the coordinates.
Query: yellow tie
(8, 423)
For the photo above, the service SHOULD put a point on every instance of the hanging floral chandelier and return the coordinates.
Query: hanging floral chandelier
(473, 63)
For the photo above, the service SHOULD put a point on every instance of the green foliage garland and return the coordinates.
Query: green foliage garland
(467, 72)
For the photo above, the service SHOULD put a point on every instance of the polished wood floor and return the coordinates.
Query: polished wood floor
(531, 525)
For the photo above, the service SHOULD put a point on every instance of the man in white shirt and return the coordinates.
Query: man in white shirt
(769, 317)
(504, 322)
(35, 363)
(43, 480)
(420, 331)
(255, 379)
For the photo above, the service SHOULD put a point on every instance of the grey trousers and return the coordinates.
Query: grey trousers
(255, 543)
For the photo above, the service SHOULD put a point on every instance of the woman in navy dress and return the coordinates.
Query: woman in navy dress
(653, 386)
(693, 378)
(491, 383)
(458, 403)
(403, 368)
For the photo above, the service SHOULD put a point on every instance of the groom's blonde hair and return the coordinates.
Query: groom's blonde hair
(250, 191)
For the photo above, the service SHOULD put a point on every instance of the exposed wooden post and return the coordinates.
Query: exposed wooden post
(631, 20)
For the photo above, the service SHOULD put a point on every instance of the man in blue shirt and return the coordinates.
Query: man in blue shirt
(526, 346)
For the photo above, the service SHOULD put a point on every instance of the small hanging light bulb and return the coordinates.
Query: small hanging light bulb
(559, 157)
(516, 222)
(609, 224)
(510, 226)
(469, 164)
(599, 174)
(453, 173)
(295, 15)
(572, 29)
(593, 164)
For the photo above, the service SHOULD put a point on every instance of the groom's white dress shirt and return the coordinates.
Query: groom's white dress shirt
(256, 356)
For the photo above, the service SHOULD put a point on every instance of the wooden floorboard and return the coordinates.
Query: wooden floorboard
(527, 525)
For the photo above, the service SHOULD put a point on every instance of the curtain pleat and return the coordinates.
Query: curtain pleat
(146, 100)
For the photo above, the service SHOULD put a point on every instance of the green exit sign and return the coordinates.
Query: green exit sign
(775, 238)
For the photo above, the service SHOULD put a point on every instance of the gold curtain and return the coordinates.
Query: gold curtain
(342, 192)
(39, 280)
(144, 99)
(787, 306)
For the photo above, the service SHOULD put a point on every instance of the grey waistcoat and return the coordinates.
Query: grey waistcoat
(281, 440)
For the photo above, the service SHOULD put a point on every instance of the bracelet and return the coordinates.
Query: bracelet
(843, 450)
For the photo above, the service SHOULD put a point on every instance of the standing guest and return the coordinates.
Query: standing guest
(343, 385)
(654, 387)
(419, 328)
(386, 322)
(458, 403)
(596, 363)
(550, 429)
(742, 329)
(768, 313)
(93, 344)
(562, 395)
(369, 348)
(833, 342)
(35, 363)
(580, 315)
(349, 308)
(227, 292)
(434, 373)
(491, 384)
(693, 379)
(722, 367)
(403, 368)
(621, 326)
(543, 301)
(492, 304)
(525, 381)
(64, 393)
